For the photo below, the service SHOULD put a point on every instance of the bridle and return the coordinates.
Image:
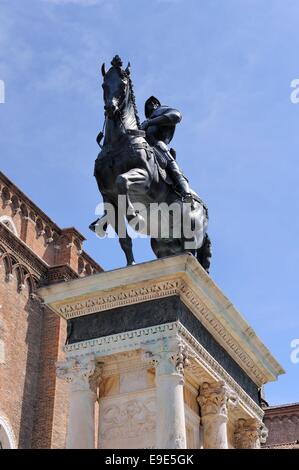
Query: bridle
(134, 132)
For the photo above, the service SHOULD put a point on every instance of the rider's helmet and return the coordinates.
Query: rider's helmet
(150, 105)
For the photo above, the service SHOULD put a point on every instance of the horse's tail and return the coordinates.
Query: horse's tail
(204, 253)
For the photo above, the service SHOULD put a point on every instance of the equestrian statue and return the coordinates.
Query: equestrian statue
(139, 178)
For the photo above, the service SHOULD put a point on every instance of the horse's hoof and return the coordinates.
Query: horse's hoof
(100, 229)
(93, 224)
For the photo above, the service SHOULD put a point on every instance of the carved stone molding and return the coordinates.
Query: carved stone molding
(249, 434)
(111, 344)
(118, 298)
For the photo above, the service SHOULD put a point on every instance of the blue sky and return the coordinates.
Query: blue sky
(227, 66)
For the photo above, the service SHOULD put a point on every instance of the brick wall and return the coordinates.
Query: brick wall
(21, 332)
(51, 407)
(33, 251)
(283, 424)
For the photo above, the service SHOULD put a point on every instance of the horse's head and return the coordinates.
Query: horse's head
(116, 87)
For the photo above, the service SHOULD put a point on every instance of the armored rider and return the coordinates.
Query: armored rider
(159, 127)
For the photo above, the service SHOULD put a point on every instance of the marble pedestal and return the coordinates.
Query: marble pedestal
(170, 361)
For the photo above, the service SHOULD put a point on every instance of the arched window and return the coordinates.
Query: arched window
(8, 222)
(7, 440)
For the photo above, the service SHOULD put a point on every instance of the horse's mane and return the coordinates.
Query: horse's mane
(133, 101)
(117, 64)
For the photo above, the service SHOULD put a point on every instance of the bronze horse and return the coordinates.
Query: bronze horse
(127, 166)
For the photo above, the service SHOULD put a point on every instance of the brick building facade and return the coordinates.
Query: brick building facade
(282, 422)
(34, 251)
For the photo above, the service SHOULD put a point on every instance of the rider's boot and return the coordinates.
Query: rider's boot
(180, 182)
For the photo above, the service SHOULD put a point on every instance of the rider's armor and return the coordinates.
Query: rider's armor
(160, 135)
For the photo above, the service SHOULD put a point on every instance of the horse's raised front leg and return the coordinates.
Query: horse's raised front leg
(135, 181)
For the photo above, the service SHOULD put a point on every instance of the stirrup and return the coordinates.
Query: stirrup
(187, 197)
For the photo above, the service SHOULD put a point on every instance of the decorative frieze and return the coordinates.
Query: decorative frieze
(117, 298)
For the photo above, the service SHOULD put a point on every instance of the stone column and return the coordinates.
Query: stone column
(82, 373)
(213, 400)
(170, 363)
(249, 434)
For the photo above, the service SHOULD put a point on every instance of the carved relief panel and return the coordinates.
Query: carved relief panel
(127, 421)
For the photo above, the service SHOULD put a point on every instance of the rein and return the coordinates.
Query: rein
(101, 134)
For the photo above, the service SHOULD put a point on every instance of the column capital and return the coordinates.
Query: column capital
(81, 372)
(250, 433)
(168, 357)
(214, 399)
